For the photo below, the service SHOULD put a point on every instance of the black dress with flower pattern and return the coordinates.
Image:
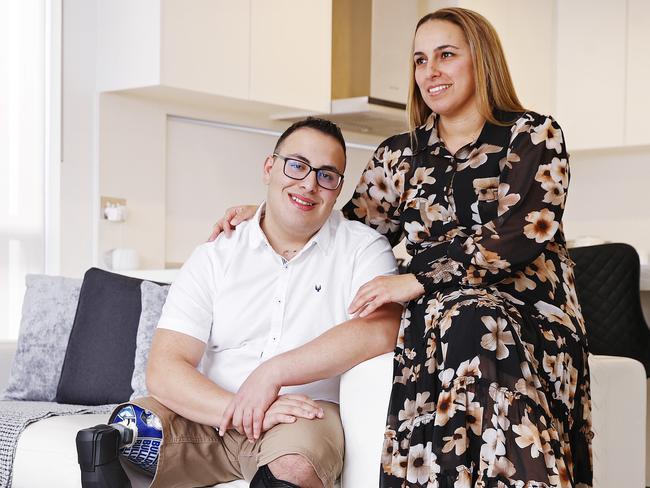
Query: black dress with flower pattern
(491, 381)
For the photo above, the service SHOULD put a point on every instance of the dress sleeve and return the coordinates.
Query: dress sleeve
(531, 195)
(376, 199)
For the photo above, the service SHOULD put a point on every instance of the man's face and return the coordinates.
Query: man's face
(301, 207)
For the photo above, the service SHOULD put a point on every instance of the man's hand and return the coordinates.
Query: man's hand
(258, 398)
(287, 408)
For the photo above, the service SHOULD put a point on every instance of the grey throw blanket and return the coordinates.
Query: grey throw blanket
(15, 416)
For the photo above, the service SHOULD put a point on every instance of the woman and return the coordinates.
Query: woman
(491, 382)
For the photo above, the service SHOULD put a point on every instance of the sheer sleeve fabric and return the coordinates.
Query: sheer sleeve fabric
(531, 194)
(376, 199)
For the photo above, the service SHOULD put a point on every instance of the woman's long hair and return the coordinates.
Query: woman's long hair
(494, 87)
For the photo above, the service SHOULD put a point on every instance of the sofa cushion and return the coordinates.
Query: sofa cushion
(153, 298)
(48, 313)
(99, 360)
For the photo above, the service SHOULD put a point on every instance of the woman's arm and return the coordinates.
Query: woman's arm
(233, 217)
(378, 194)
(531, 196)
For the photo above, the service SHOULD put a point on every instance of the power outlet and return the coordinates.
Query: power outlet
(110, 202)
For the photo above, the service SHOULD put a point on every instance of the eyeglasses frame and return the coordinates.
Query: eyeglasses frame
(311, 168)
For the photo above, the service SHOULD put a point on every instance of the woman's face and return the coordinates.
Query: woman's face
(443, 69)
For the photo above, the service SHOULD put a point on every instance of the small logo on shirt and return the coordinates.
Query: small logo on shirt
(317, 287)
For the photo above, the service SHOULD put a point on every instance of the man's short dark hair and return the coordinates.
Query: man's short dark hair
(324, 126)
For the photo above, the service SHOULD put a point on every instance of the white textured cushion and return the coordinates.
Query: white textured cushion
(47, 455)
(46, 450)
(618, 395)
(365, 392)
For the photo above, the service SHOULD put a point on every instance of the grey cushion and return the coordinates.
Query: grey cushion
(47, 316)
(153, 299)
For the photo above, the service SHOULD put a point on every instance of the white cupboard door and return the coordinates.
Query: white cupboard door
(206, 45)
(291, 53)
(527, 34)
(637, 131)
(591, 71)
(128, 44)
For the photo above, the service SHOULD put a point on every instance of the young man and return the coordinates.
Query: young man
(253, 315)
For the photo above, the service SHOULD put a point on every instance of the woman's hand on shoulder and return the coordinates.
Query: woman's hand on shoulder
(385, 289)
(231, 218)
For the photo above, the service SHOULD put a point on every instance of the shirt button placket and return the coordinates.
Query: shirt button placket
(278, 309)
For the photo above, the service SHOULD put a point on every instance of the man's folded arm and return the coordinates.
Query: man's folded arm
(173, 380)
(339, 349)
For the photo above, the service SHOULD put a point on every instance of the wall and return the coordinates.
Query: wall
(608, 196)
(78, 177)
(223, 167)
(133, 144)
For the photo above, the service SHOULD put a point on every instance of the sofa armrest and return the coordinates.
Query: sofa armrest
(618, 394)
(364, 395)
(7, 352)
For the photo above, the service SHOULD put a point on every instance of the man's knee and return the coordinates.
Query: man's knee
(295, 469)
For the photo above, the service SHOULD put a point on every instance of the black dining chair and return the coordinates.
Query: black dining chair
(607, 284)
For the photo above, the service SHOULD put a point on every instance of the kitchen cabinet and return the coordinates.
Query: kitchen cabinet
(583, 61)
(201, 46)
(638, 73)
(291, 53)
(591, 72)
(525, 28)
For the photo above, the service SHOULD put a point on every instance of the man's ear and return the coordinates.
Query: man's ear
(268, 166)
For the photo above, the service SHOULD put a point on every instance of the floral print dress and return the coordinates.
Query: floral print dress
(491, 381)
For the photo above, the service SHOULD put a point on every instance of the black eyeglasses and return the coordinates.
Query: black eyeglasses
(297, 169)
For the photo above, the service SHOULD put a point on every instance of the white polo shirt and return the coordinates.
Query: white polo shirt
(247, 304)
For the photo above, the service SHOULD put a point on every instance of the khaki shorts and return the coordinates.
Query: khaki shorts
(193, 454)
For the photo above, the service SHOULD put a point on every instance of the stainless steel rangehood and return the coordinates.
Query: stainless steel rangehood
(371, 44)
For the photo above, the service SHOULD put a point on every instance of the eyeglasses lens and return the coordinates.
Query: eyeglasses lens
(299, 170)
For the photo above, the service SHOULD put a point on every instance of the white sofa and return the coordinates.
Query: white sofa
(46, 454)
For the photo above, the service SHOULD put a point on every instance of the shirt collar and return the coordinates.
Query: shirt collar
(256, 237)
(322, 238)
(497, 135)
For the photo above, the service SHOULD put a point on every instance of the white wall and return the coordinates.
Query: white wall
(133, 146)
(211, 167)
(609, 196)
(78, 136)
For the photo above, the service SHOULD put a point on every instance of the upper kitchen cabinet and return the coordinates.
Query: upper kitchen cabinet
(526, 31)
(391, 56)
(202, 45)
(591, 72)
(638, 73)
(291, 53)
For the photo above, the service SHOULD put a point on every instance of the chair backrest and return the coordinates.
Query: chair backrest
(607, 283)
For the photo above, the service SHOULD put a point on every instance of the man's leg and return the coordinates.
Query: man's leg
(305, 454)
(190, 454)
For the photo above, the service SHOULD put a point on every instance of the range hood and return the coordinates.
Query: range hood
(371, 44)
(361, 114)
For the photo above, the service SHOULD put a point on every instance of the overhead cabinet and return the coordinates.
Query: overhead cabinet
(583, 61)
(202, 45)
(591, 72)
(292, 53)
(638, 73)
